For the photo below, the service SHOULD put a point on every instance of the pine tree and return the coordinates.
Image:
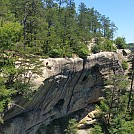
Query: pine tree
(72, 127)
(83, 22)
(114, 106)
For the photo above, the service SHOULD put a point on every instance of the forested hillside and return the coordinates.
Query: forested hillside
(48, 28)
(130, 46)
(30, 29)
(51, 27)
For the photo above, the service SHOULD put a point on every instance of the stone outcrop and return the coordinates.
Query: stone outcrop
(66, 86)
(89, 119)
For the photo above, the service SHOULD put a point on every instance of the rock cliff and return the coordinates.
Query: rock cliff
(67, 85)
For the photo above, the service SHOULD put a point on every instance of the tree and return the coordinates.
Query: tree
(83, 22)
(51, 39)
(60, 2)
(120, 42)
(103, 45)
(10, 33)
(29, 14)
(112, 30)
(96, 130)
(95, 24)
(105, 26)
(72, 127)
(16, 68)
(113, 108)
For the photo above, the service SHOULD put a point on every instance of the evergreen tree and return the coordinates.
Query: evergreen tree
(72, 127)
(95, 24)
(113, 108)
(28, 13)
(96, 130)
(105, 26)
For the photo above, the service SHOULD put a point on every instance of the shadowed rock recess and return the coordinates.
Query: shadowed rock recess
(69, 85)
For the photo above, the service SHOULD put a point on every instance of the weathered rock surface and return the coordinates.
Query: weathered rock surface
(89, 119)
(68, 85)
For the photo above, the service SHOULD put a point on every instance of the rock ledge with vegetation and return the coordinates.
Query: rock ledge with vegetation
(69, 85)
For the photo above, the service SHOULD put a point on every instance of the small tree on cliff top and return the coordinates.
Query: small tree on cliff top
(120, 42)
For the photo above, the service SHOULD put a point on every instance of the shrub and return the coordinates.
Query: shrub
(72, 127)
(96, 130)
(67, 51)
(124, 65)
(120, 42)
(96, 49)
(105, 45)
(55, 53)
(108, 46)
(81, 50)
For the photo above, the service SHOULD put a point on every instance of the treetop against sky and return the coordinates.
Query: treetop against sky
(119, 11)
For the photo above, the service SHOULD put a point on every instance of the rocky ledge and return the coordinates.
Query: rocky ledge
(66, 86)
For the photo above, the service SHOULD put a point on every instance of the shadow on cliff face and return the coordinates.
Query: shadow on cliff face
(62, 95)
(58, 126)
(77, 85)
(82, 89)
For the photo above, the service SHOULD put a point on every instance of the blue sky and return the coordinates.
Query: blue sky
(121, 12)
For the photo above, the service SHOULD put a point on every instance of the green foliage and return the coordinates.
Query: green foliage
(107, 45)
(96, 130)
(127, 127)
(81, 50)
(121, 126)
(103, 45)
(55, 53)
(46, 28)
(130, 46)
(114, 117)
(120, 42)
(10, 33)
(4, 97)
(52, 28)
(72, 127)
(96, 49)
(103, 107)
(124, 65)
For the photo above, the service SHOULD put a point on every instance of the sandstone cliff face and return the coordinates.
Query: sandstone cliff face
(68, 86)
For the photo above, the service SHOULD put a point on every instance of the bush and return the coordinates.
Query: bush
(96, 49)
(81, 50)
(96, 130)
(124, 65)
(10, 33)
(55, 53)
(108, 46)
(72, 127)
(67, 51)
(120, 42)
(105, 45)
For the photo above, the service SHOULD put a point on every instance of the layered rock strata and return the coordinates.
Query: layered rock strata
(67, 85)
